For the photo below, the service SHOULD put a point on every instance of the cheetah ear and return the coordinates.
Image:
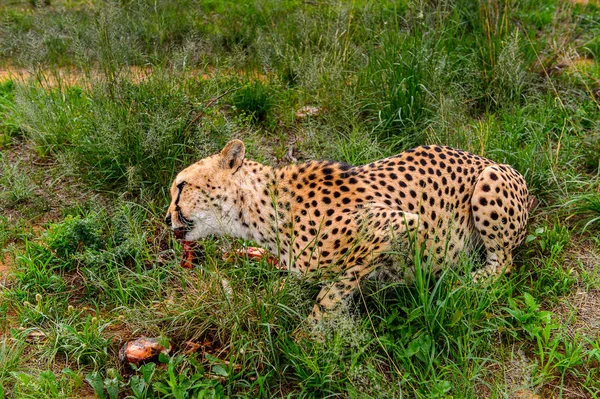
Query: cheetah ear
(233, 155)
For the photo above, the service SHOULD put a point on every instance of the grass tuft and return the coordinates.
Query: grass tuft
(254, 99)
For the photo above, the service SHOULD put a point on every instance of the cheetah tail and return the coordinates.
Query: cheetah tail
(532, 203)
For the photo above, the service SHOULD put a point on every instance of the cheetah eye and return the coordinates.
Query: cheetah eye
(181, 185)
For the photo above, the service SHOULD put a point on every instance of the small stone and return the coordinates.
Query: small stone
(307, 111)
(525, 394)
(35, 336)
(141, 349)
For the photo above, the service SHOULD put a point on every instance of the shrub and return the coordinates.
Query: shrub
(73, 235)
(254, 99)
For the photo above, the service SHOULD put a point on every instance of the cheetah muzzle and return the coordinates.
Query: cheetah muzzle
(338, 221)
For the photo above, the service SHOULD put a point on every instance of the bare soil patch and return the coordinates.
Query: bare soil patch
(53, 189)
(581, 311)
(68, 76)
(71, 76)
(7, 73)
(585, 2)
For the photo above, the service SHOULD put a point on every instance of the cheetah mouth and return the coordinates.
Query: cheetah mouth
(190, 253)
(181, 232)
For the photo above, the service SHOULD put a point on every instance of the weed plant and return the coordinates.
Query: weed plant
(255, 100)
(16, 188)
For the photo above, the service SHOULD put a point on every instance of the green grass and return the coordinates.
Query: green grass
(123, 94)
(255, 100)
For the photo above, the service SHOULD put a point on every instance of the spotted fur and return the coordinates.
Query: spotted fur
(337, 221)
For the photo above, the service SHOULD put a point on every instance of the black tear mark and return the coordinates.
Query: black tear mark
(180, 187)
(189, 224)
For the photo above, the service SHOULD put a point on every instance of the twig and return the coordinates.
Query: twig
(208, 105)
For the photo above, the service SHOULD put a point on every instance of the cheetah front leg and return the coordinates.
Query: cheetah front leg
(378, 226)
(335, 294)
(497, 263)
(330, 298)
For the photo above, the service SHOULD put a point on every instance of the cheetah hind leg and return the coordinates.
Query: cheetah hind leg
(499, 219)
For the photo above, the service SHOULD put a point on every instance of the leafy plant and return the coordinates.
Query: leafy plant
(10, 353)
(82, 342)
(73, 235)
(551, 276)
(184, 378)
(110, 385)
(141, 384)
(35, 272)
(254, 99)
(588, 205)
(46, 384)
(16, 186)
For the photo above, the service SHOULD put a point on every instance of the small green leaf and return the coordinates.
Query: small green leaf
(164, 341)
(441, 387)
(412, 349)
(22, 377)
(147, 371)
(530, 301)
(138, 386)
(163, 358)
(76, 378)
(95, 382)
(456, 317)
(217, 369)
(414, 314)
(112, 387)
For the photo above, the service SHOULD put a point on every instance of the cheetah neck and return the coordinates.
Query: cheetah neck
(253, 216)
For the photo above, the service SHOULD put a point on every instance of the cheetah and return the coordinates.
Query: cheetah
(337, 221)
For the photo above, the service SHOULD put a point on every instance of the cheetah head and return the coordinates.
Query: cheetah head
(201, 201)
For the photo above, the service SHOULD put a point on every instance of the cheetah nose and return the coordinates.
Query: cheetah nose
(168, 220)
